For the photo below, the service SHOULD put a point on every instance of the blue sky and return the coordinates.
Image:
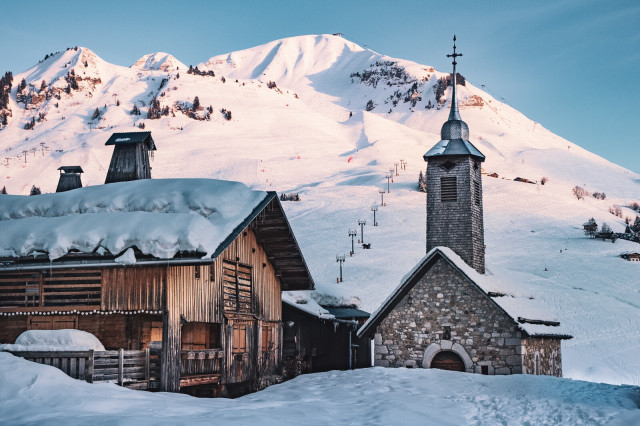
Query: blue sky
(572, 65)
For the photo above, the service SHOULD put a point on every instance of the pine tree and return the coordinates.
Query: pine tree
(43, 86)
(636, 225)
(4, 190)
(135, 110)
(22, 86)
(35, 190)
(95, 114)
(422, 183)
(196, 103)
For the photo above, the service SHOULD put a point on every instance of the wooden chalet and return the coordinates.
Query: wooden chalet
(631, 256)
(130, 158)
(321, 341)
(69, 178)
(216, 320)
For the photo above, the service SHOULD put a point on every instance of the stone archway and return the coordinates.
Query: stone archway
(447, 346)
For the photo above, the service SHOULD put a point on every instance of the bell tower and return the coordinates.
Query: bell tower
(454, 188)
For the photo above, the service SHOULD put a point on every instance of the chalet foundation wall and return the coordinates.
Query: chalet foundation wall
(542, 356)
(444, 308)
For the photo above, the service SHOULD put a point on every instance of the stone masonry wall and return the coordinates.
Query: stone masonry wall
(457, 225)
(549, 356)
(445, 298)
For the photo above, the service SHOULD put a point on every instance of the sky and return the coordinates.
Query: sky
(570, 65)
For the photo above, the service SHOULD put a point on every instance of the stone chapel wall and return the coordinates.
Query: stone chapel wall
(549, 356)
(445, 298)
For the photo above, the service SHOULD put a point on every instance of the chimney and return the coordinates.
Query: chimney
(130, 158)
(69, 178)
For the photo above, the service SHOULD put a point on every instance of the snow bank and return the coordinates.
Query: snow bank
(34, 393)
(55, 340)
(160, 217)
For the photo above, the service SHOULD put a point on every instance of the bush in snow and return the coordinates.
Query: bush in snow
(370, 105)
(615, 210)
(599, 195)
(95, 114)
(544, 180)
(634, 206)
(35, 190)
(271, 84)
(579, 192)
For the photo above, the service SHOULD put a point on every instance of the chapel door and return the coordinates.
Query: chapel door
(448, 360)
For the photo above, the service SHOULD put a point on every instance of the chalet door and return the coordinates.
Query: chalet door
(243, 350)
(448, 360)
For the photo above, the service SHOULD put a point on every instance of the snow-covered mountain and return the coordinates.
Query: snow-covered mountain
(321, 116)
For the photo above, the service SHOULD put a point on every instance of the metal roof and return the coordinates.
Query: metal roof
(132, 137)
(453, 147)
(71, 169)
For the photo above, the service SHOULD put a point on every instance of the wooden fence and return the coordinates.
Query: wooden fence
(136, 369)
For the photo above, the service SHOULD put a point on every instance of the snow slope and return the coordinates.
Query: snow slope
(298, 137)
(34, 393)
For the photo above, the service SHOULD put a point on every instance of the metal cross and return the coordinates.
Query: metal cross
(454, 55)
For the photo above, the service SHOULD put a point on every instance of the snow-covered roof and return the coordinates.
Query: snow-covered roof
(160, 217)
(530, 316)
(307, 305)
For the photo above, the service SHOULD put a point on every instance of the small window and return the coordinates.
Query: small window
(485, 370)
(536, 367)
(446, 334)
(476, 192)
(448, 190)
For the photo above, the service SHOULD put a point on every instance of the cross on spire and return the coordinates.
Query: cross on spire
(454, 114)
(454, 55)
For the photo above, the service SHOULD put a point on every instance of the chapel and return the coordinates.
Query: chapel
(446, 313)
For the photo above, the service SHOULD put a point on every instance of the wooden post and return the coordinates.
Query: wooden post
(121, 366)
(89, 374)
(170, 360)
(146, 364)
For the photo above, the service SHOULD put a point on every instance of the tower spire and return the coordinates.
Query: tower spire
(454, 114)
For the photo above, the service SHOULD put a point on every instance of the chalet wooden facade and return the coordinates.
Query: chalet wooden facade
(217, 320)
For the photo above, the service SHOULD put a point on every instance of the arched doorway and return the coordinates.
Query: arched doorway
(447, 360)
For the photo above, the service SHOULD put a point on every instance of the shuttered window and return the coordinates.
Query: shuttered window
(476, 192)
(448, 189)
(237, 287)
(51, 288)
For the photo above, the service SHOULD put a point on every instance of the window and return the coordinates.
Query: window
(236, 287)
(536, 366)
(267, 338)
(448, 189)
(240, 329)
(476, 192)
(485, 369)
(52, 322)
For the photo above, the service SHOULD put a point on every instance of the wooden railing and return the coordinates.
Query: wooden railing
(199, 367)
(138, 369)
